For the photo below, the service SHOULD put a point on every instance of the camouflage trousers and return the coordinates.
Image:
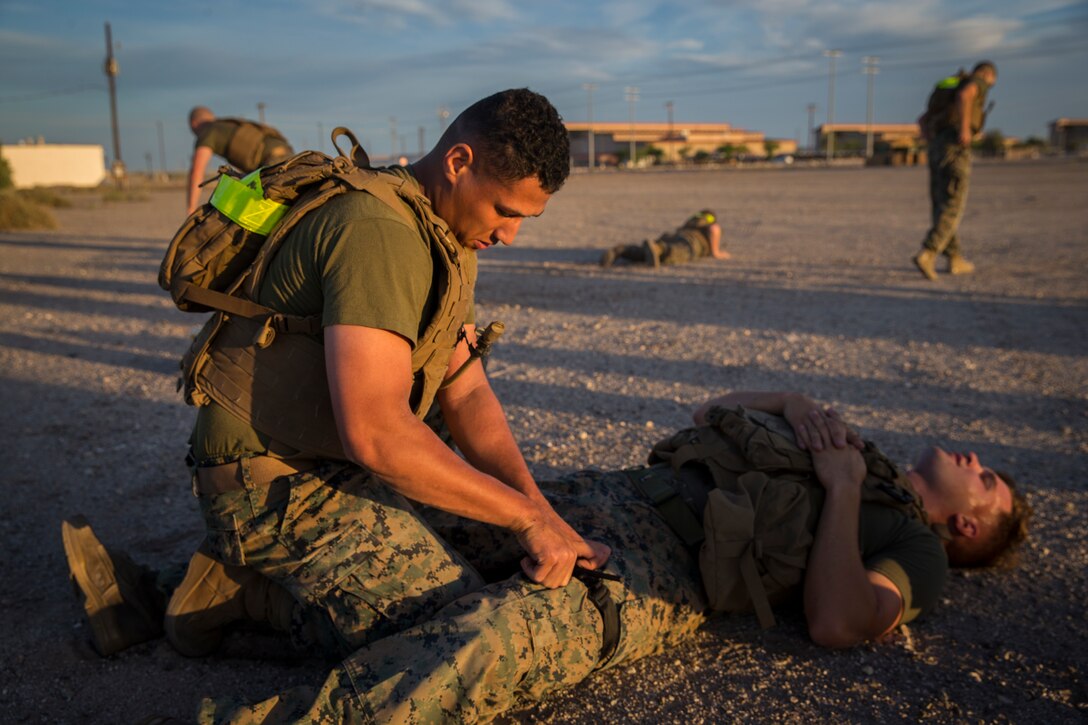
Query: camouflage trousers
(669, 249)
(358, 559)
(949, 177)
(512, 639)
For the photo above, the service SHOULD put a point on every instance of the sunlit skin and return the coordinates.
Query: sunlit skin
(957, 486)
(481, 210)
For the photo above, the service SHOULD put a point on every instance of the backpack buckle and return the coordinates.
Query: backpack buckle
(266, 334)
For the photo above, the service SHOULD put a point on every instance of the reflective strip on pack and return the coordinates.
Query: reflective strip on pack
(243, 202)
(949, 82)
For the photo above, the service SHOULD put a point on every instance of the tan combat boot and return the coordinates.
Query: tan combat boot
(213, 595)
(958, 264)
(122, 603)
(926, 262)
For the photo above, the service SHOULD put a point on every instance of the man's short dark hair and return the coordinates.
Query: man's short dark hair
(516, 134)
(985, 65)
(1005, 533)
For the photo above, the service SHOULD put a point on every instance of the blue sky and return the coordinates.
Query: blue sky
(321, 63)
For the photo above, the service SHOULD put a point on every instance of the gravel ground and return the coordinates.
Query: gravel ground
(595, 366)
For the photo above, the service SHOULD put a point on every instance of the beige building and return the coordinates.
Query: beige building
(850, 137)
(45, 164)
(1069, 134)
(677, 142)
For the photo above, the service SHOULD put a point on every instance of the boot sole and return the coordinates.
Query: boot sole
(81, 545)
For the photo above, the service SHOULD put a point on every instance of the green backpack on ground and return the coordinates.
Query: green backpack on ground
(759, 520)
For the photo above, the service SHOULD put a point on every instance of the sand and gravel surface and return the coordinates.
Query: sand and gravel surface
(596, 365)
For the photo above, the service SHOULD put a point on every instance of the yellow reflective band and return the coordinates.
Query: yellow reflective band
(709, 218)
(243, 202)
(949, 82)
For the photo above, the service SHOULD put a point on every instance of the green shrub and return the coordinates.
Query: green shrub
(16, 212)
(5, 174)
(44, 197)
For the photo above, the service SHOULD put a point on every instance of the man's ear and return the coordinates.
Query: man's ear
(963, 525)
(457, 159)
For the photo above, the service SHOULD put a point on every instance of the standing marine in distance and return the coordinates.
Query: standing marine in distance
(955, 115)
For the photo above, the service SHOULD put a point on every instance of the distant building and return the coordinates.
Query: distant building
(1069, 134)
(677, 142)
(850, 137)
(43, 164)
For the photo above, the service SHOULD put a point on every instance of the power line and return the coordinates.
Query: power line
(50, 94)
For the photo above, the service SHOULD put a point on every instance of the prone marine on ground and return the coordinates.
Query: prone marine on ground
(864, 545)
(245, 144)
(954, 116)
(699, 236)
(304, 485)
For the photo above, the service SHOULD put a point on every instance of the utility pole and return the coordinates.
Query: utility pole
(630, 93)
(812, 128)
(162, 149)
(870, 69)
(831, 56)
(260, 111)
(150, 168)
(668, 107)
(111, 69)
(589, 88)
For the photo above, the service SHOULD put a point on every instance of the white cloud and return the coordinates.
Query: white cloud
(688, 44)
(401, 14)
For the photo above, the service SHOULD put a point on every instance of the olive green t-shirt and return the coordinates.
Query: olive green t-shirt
(216, 136)
(906, 551)
(901, 548)
(354, 261)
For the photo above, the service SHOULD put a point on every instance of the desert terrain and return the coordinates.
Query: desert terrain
(596, 365)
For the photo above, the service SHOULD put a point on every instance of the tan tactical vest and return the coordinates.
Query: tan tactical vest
(269, 369)
(251, 142)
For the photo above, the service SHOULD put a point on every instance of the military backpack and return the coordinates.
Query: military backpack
(267, 367)
(250, 141)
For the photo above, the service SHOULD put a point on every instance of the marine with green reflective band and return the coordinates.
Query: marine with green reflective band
(242, 201)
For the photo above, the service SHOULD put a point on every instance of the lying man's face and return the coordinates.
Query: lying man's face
(963, 483)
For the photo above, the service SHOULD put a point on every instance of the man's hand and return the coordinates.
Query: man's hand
(965, 139)
(839, 468)
(817, 427)
(554, 548)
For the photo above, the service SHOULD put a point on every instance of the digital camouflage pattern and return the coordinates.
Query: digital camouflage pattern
(512, 639)
(689, 241)
(949, 179)
(355, 555)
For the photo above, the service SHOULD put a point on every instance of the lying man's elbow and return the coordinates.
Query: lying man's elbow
(834, 635)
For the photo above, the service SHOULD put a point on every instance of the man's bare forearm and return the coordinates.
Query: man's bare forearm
(479, 428)
(839, 600)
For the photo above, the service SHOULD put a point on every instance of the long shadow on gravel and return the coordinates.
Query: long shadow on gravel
(959, 323)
